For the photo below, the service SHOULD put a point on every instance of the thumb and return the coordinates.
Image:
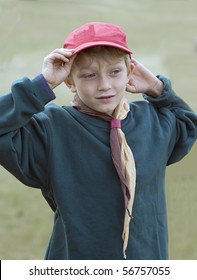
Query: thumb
(130, 88)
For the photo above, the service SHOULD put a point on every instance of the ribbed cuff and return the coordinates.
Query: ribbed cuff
(42, 90)
(166, 97)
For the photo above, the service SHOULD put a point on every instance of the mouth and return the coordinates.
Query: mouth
(105, 97)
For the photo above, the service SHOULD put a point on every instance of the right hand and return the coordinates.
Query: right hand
(57, 66)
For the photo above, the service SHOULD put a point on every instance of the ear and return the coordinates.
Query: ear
(70, 85)
(130, 71)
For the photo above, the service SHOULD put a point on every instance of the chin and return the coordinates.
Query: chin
(107, 111)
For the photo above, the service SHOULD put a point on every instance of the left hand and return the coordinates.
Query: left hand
(143, 80)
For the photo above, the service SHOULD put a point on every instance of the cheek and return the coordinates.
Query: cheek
(86, 89)
(85, 93)
(123, 83)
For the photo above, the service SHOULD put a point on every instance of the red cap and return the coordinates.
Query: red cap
(96, 34)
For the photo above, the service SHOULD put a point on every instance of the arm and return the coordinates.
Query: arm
(29, 97)
(181, 120)
(24, 141)
(23, 137)
(25, 99)
(179, 116)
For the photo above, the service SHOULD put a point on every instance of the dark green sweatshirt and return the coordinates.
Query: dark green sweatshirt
(67, 155)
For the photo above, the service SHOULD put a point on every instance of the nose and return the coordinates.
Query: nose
(104, 83)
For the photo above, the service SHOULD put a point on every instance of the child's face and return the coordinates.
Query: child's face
(100, 83)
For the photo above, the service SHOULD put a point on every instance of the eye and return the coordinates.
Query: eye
(115, 72)
(88, 75)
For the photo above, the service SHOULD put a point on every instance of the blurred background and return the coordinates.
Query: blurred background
(163, 36)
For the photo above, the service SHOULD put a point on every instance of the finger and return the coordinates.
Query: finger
(53, 57)
(70, 63)
(72, 58)
(131, 88)
(62, 51)
(133, 60)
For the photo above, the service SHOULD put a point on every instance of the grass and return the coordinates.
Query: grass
(163, 36)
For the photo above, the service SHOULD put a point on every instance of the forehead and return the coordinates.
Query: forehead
(88, 60)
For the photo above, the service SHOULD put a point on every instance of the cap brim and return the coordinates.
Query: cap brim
(101, 43)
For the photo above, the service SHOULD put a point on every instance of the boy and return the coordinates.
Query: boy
(101, 162)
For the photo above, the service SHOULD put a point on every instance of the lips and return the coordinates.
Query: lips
(105, 97)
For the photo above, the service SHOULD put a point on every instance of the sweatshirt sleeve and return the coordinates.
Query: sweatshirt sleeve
(181, 119)
(23, 133)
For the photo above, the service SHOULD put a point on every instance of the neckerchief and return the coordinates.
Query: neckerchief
(122, 156)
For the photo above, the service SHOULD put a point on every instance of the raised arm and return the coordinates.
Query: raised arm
(23, 131)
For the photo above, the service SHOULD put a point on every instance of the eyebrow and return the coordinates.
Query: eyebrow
(115, 64)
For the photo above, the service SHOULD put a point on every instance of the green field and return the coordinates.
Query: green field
(163, 36)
